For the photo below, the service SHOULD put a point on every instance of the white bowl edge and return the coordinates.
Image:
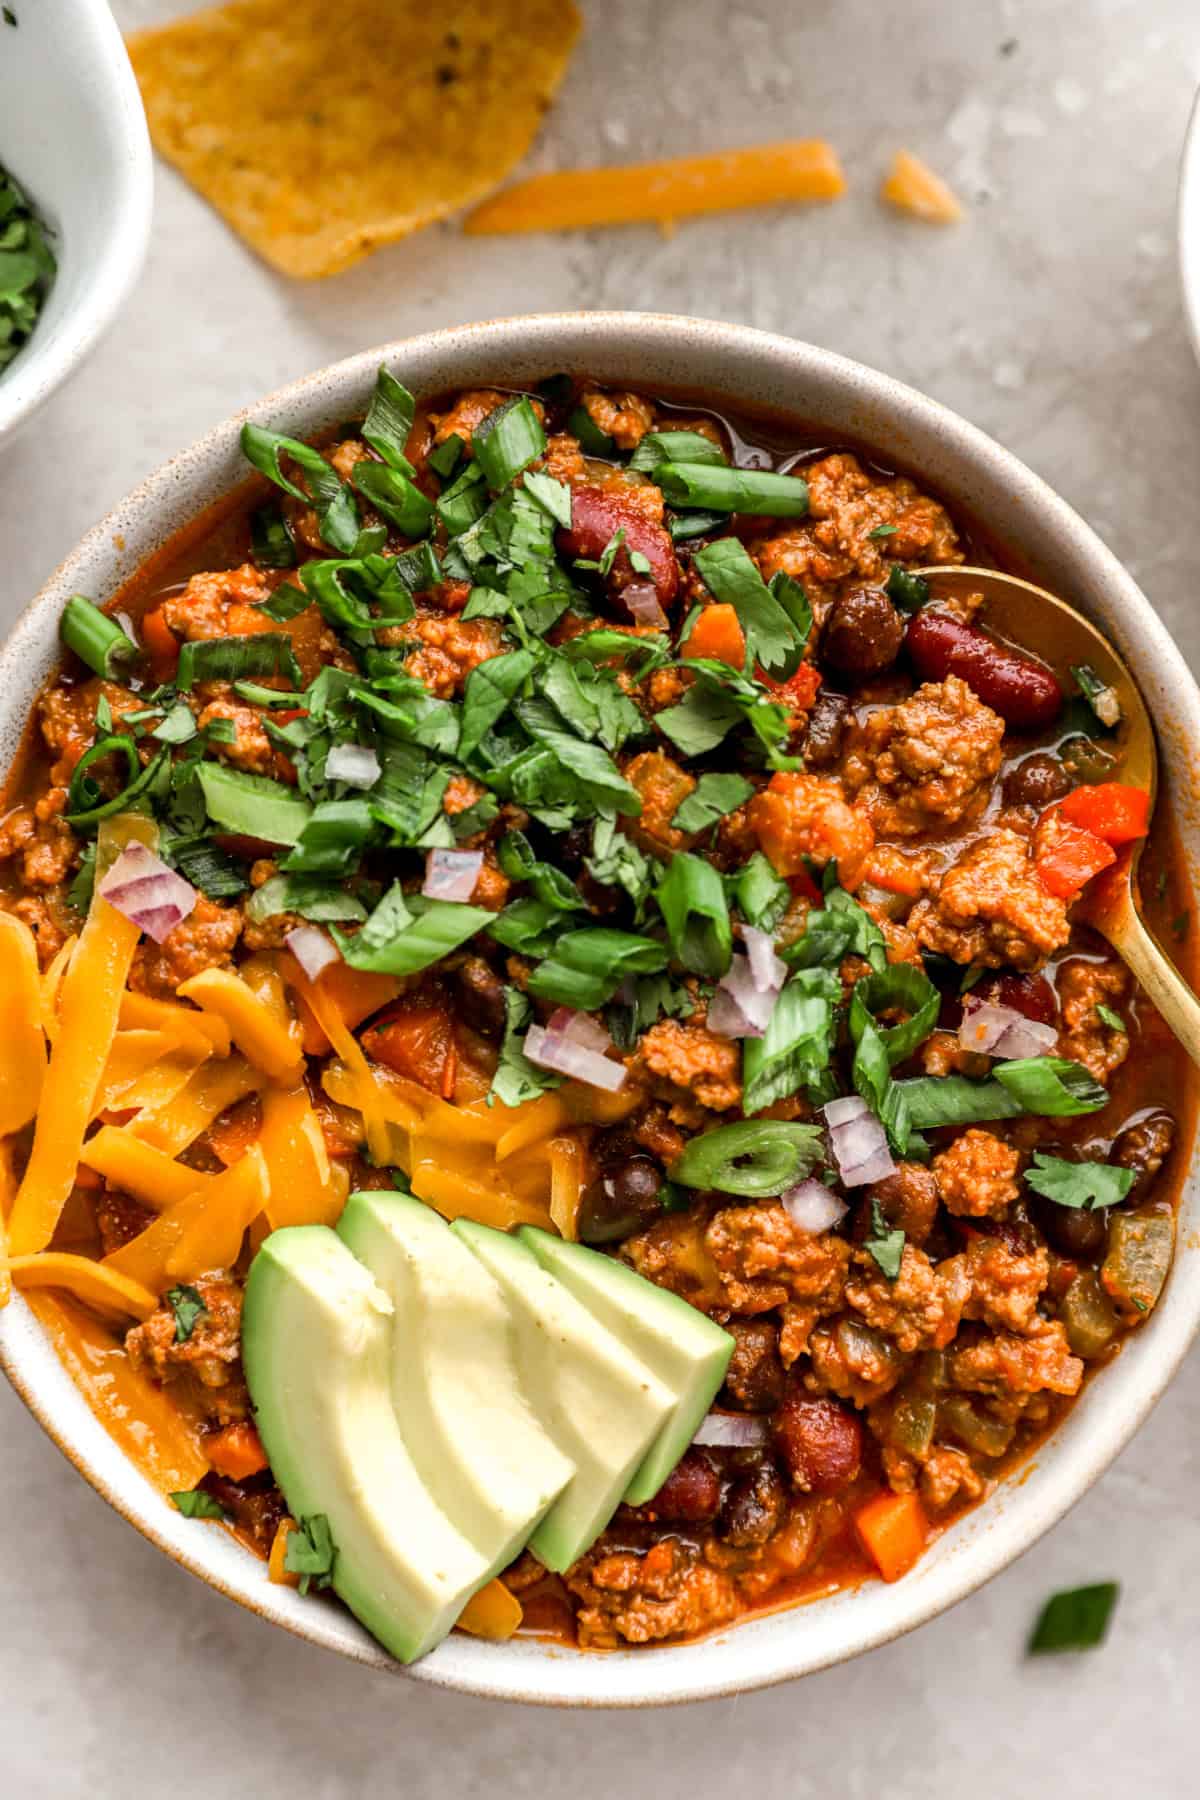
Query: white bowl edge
(971, 471)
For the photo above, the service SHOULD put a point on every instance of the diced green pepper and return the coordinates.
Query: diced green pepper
(1140, 1246)
(1088, 1316)
(973, 1427)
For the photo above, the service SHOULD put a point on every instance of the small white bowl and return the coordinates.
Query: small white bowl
(1189, 226)
(73, 135)
(741, 370)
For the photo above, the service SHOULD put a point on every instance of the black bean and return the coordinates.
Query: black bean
(827, 724)
(1072, 1230)
(480, 994)
(754, 1381)
(755, 1507)
(862, 634)
(1144, 1147)
(621, 1198)
(1037, 781)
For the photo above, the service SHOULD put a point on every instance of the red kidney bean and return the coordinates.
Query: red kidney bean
(690, 1495)
(820, 1441)
(1022, 691)
(597, 514)
(1031, 995)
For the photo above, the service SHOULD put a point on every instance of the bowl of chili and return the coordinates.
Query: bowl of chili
(913, 1284)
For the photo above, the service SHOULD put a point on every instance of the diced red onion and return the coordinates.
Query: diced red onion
(355, 764)
(1002, 1031)
(858, 1141)
(740, 1008)
(149, 894)
(641, 598)
(813, 1207)
(733, 1431)
(565, 1055)
(451, 874)
(769, 971)
(311, 949)
(579, 1028)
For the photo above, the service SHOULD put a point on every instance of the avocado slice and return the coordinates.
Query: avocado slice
(469, 1429)
(601, 1404)
(686, 1350)
(316, 1345)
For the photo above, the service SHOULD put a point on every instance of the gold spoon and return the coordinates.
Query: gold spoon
(1067, 639)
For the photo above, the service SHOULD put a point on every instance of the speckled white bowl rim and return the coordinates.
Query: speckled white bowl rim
(843, 399)
(1189, 226)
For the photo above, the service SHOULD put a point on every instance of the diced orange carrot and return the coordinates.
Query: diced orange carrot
(236, 1451)
(893, 1529)
(574, 199)
(416, 1039)
(718, 636)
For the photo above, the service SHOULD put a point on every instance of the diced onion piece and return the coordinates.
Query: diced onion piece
(311, 949)
(740, 1008)
(580, 1028)
(769, 971)
(1004, 1032)
(565, 1055)
(858, 1141)
(813, 1207)
(148, 893)
(641, 598)
(733, 1431)
(355, 764)
(451, 874)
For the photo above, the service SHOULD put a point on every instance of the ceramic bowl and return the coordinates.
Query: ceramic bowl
(746, 369)
(1189, 226)
(73, 134)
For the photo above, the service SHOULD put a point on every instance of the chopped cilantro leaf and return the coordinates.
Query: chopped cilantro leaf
(1076, 1619)
(311, 1552)
(1090, 1185)
(194, 1503)
(884, 1245)
(188, 1307)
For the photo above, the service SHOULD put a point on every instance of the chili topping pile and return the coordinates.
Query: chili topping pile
(573, 811)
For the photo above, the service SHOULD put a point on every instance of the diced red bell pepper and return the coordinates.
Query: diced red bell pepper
(804, 887)
(799, 691)
(1112, 811)
(1069, 863)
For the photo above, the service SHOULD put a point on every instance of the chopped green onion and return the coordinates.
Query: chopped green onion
(685, 525)
(95, 638)
(900, 987)
(794, 1050)
(759, 893)
(252, 806)
(177, 727)
(507, 441)
(208, 868)
(1046, 1086)
(254, 695)
(550, 493)
(548, 884)
(658, 447)
(883, 531)
(407, 932)
(1051, 1087)
(592, 441)
(489, 689)
(1112, 1019)
(1076, 1619)
(83, 794)
(271, 542)
(393, 495)
(691, 898)
(446, 456)
(464, 502)
(1090, 1185)
(1102, 698)
(389, 421)
(329, 496)
(232, 658)
(587, 967)
(729, 490)
(756, 1158)
(517, 1079)
(334, 836)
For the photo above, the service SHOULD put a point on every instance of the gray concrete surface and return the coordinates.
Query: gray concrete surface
(1051, 319)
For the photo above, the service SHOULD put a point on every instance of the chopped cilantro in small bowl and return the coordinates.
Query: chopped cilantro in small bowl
(27, 268)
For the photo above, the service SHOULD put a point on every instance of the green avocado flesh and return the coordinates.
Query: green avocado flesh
(599, 1402)
(448, 1395)
(316, 1343)
(687, 1352)
(474, 1440)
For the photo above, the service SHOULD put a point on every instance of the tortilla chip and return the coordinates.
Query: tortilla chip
(321, 131)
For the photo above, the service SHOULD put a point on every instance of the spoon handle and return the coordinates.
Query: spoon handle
(1153, 969)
